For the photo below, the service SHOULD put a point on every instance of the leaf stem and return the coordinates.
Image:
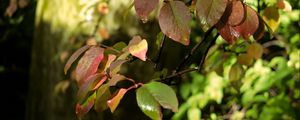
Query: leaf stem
(160, 50)
(187, 57)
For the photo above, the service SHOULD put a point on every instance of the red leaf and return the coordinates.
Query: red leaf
(90, 84)
(88, 64)
(74, 56)
(259, 33)
(144, 7)
(228, 33)
(114, 102)
(237, 15)
(250, 25)
(174, 21)
(210, 11)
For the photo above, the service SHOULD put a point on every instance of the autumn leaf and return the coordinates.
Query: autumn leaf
(271, 17)
(210, 11)
(144, 7)
(74, 56)
(250, 25)
(114, 102)
(238, 13)
(138, 48)
(88, 64)
(174, 19)
(102, 96)
(83, 109)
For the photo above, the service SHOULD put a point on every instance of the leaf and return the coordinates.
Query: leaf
(119, 46)
(144, 7)
(238, 13)
(90, 84)
(284, 5)
(163, 94)
(74, 56)
(210, 11)
(83, 109)
(103, 94)
(12, 8)
(115, 67)
(271, 17)
(235, 72)
(138, 48)
(250, 25)
(148, 104)
(114, 102)
(228, 33)
(174, 21)
(244, 59)
(255, 50)
(115, 79)
(88, 64)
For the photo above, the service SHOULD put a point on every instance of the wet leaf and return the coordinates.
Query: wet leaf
(138, 48)
(210, 11)
(74, 56)
(102, 96)
(167, 98)
(143, 8)
(114, 102)
(174, 21)
(83, 109)
(148, 104)
(88, 64)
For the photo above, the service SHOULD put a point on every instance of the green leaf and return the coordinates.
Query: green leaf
(115, 79)
(271, 17)
(74, 56)
(148, 104)
(83, 109)
(103, 94)
(174, 19)
(210, 11)
(114, 102)
(194, 113)
(163, 94)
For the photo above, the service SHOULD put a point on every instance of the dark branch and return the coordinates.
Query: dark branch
(167, 79)
(160, 50)
(186, 58)
(97, 26)
(212, 42)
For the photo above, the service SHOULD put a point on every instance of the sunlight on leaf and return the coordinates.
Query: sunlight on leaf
(148, 104)
(138, 48)
(114, 102)
(167, 98)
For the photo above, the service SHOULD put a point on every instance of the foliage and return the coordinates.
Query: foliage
(234, 75)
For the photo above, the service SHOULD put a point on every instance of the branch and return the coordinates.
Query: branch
(187, 57)
(206, 51)
(160, 50)
(97, 26)
(167, 79)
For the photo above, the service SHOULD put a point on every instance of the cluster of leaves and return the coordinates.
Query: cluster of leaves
(98, 70)
(232, 18)
(97, 74)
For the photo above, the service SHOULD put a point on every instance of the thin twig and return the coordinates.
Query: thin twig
(110, 48)
(160, 51)
(97, 26)
(212, 42)
(258, 6)
(186, 58)
(166, 79)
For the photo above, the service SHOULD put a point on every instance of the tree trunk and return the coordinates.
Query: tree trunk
(46, 71)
